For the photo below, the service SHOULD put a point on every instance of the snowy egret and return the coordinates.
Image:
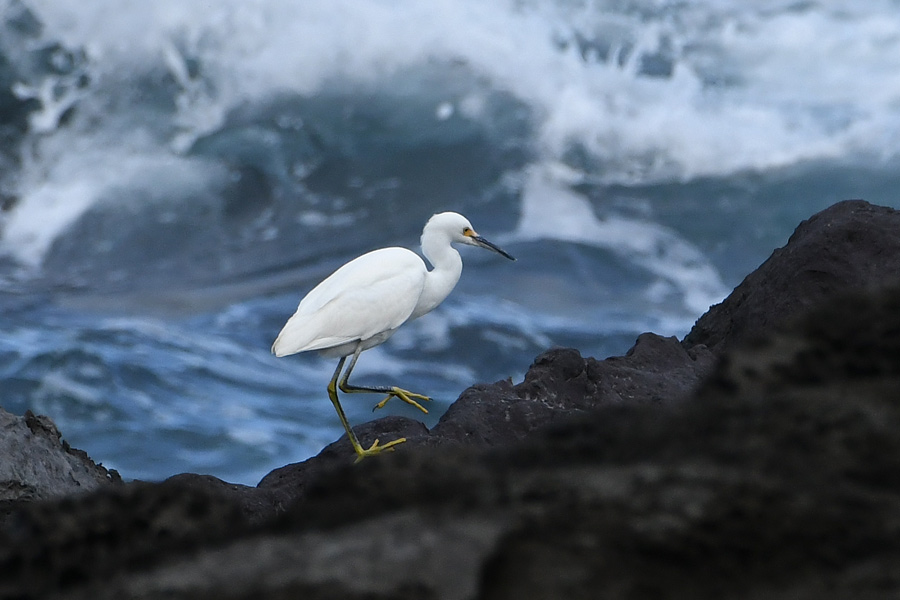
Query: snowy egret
(362, 304)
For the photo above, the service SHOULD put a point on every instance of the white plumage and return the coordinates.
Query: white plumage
(362, 304)
(387, 284)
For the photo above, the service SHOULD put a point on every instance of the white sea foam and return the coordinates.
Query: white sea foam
(81, 177)
(551, 210)
(753, 86)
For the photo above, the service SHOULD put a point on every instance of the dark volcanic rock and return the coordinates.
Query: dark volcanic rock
(559, 385)
(81, 539)
(852, 245)
(36, 464)
(287, 484)
(774, 473)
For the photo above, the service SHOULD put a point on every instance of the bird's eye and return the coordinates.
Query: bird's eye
(467, 231)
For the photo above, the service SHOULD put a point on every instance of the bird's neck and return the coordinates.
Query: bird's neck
(441, 280)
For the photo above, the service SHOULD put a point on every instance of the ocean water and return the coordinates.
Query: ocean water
(175, 175)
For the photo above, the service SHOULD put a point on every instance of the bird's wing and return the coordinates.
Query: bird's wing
(371, 294)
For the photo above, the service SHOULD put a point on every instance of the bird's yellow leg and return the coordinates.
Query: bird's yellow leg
(406, 396)
(391, 391)
(361, 452)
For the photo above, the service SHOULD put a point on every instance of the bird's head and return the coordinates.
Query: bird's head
(458, 229)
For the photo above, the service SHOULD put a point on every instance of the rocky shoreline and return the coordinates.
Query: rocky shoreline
(757, 458)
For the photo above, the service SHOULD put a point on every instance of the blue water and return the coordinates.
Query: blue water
(174, 176)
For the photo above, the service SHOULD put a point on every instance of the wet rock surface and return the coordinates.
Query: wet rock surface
(758, 458)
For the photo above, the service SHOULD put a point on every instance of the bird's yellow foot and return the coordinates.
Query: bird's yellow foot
(376, 449)
(406, 396)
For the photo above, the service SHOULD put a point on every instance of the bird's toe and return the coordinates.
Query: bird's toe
(376, 449)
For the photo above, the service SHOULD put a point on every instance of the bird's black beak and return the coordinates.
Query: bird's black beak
(480, 241)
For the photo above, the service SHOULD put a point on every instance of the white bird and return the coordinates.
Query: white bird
(362, 304)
